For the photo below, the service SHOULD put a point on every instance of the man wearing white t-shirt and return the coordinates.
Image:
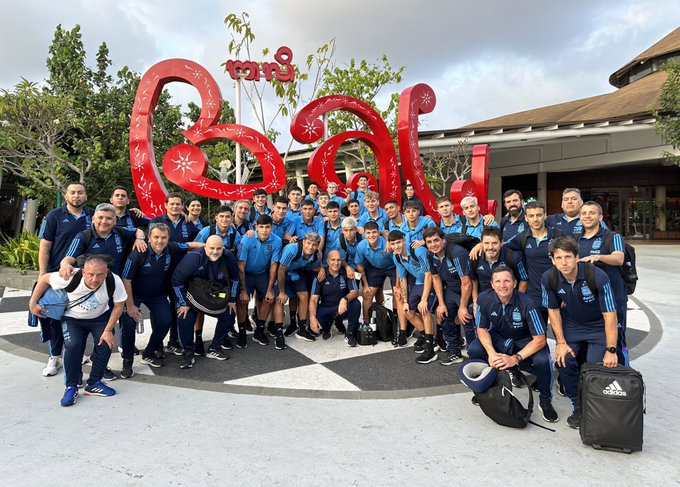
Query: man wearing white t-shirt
(87, 312)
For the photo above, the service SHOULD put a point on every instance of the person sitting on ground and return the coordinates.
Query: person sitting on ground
(333, 299)
(511, 333)
(88, 313)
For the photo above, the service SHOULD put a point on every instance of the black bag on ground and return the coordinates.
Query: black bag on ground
(365, 335)
(500, 404)
(210, 297)
(612, 407)
(384, 321)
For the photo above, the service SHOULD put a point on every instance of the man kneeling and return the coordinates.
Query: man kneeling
(333, 299)
(511, 332)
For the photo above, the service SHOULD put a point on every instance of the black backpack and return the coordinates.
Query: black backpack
(500, 404)
(628, 270)
(343, 242)
(466, 241)
(384, 320)
(589, 270)
(365, 335)
(78, 276)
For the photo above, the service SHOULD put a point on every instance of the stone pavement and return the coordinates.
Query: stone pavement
(303, 424)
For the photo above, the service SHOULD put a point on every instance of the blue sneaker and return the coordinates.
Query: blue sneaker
(99, 389)
(70, 395)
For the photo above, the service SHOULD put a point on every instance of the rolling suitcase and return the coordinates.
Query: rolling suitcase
(612, 407)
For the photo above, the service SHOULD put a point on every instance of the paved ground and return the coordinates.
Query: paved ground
(153, 432)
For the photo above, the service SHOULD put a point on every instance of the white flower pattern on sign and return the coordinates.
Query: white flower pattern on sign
(183, 163)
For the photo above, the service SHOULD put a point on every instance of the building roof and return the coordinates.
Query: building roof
(667, 45)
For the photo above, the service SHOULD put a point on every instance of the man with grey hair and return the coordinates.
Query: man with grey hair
(298, 266)
(472, 222)
(568, 221)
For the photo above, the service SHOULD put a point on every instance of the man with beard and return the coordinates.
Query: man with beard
(513, 222)
(568, 221)
(126, 218)
(57, 231)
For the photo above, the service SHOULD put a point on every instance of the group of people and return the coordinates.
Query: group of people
(318, 254)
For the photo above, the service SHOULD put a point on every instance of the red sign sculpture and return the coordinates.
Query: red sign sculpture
(250, 70)
(307, 127)
(185, 164)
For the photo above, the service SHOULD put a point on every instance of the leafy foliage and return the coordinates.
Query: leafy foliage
(442, 168)
(20, 252)
(668, 112)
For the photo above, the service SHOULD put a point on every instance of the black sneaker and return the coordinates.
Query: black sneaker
(226, 344)
(549, 413)
(260, 336)
(271, 329)
(242, 341)
(340, 326)
(327, 335)
(474, 400)
(280, 343)
(136, 352)
(419, 346)
(401, 340)
(304, 334)
(560, 387)
(451, 358)
(312, 332)
(188, 361)
(174, 348)
(574, 421)
(517, 382)
(216, 355)
(152, 361)
(232, 333)
(127, 371)
(440, 344)
(199, 348)
(534, 386)
(290, 329)
(248, 325)
(350, 341)
(160, 354)
(109, 375)
(428, 355)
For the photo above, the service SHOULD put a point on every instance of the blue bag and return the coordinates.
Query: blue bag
(54, 303)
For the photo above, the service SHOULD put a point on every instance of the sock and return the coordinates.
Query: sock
(259, 323)
(199, 334)
(302, 324)
(293, 319)
(279, 327)
(429, 338)
(242, 326)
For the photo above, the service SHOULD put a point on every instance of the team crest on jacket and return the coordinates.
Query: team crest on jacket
(587, 293)
(597, 244)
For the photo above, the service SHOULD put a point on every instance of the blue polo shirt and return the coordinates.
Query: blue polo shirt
(254, 213)
(280, 229)
(294, 213)
(559, 220)
(381, 219)
(476, 230)
(302, 263)
(180, 232)
(60, 227)
(536, 258)
(449, 270)
(300, 228)
(380, 257)
(510, 229)
(131, 222)
(243, 227)
(359, 195)
(197, 264)
(348, 251)
(411, 234)
(480, 269)
(259, 255)
(519, 319)
(414, 266)
(393, 226)
(338, 199)
(603, 244)
(116, 244)
(333, 288)
(230, 240)
(584, 306)
(153, 270)
(455, 227)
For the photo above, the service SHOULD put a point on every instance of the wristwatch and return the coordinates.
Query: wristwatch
(611, 349)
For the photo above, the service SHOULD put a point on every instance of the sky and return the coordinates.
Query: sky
(483, 59)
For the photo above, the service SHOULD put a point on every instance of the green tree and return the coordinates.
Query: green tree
(668, 110)
(288, 95)
(364, 81)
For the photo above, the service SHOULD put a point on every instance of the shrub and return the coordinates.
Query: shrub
(20, 252)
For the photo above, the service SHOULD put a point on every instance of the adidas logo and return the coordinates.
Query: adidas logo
(148, 264)
(561, 291)
(614, 389)
(493, 313)
(65, 220)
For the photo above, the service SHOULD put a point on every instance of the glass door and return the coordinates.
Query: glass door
(639, 216)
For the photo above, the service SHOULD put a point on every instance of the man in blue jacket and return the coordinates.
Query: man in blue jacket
(216, 265)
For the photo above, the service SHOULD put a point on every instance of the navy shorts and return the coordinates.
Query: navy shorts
(415, 293)
(258, 283)
(296, 286)
(376, 277)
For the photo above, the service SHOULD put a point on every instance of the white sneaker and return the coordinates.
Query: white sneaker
(53, 365)
(86, 360)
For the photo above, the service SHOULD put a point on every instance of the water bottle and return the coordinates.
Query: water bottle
(140, 325)
(373, 324)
